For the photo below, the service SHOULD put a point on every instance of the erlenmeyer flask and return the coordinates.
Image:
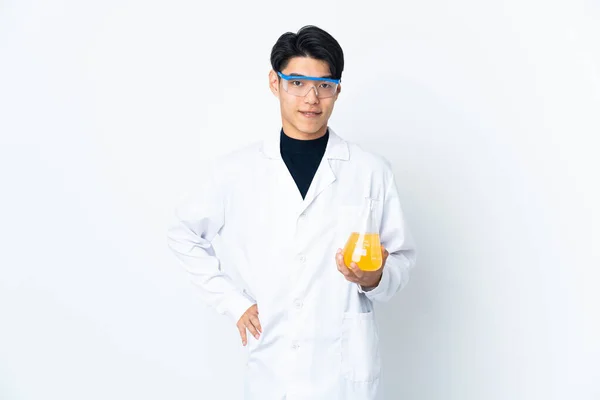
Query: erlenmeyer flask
(364, 246)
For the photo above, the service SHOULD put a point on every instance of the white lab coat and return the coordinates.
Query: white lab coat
(320, 338)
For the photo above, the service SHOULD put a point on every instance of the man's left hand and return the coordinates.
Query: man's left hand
(367, 279)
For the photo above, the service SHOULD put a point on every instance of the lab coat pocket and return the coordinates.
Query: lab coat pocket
(361, 360)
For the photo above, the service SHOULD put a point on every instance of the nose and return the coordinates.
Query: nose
(311, 97)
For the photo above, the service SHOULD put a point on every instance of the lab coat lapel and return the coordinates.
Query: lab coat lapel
(283, 193)
(325, 175)
(322, 179)
(336, 148)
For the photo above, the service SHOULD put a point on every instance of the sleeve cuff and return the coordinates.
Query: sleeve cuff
(236, 305)
(380, 288)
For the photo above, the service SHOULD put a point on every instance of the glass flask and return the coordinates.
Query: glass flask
(363, 245)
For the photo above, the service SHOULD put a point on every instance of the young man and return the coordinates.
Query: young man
(284, 207)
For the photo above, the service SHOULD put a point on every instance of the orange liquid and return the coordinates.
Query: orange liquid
(364, 250)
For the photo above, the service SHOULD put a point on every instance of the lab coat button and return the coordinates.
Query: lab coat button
(295, 346)
(298, 304)
(301, 258)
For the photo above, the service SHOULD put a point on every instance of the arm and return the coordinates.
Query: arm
(196, 223)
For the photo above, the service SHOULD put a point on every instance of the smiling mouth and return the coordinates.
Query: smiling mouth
(310, 114)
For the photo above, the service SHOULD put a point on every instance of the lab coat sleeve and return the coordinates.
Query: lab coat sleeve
(197, 221)
(397, 240)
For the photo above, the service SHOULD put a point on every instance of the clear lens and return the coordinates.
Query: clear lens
(301, 87)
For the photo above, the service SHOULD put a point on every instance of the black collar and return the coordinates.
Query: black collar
(291, 145)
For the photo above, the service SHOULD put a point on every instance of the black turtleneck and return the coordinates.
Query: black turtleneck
(302, 158)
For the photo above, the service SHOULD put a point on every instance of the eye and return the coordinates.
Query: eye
(326, 85)
(296, 83)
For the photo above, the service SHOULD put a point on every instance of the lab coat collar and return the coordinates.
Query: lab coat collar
(337, 148)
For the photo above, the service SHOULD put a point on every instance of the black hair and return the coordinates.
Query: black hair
(310, 41)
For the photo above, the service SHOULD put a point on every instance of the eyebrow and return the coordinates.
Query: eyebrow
(300, 75)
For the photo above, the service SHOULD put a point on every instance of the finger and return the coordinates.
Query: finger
(345, 271)
(356, 271)
(242, 330)
(256, 322)
(252, 329)
(384, 254)
(339, 258)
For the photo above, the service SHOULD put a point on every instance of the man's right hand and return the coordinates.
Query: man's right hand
(249, 321)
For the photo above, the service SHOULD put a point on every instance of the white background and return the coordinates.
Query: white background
(488, 111)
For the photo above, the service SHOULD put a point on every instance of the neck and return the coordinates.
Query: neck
(296, 134)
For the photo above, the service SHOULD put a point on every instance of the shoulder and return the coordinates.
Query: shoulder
(235, 159)
(366, 158)
(236, 165)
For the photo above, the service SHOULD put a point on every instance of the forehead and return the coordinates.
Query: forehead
(306, 66)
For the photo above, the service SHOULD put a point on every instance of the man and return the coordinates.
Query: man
(284, 207)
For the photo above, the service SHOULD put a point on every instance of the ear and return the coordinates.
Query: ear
(274, 83)
(339, 89)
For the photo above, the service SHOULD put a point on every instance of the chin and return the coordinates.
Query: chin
(310, 129)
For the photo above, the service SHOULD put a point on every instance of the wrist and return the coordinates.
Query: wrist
(375, 283)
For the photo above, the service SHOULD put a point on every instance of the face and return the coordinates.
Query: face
(303, 117)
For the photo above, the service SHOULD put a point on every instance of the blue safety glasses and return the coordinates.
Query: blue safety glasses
(299, 85)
